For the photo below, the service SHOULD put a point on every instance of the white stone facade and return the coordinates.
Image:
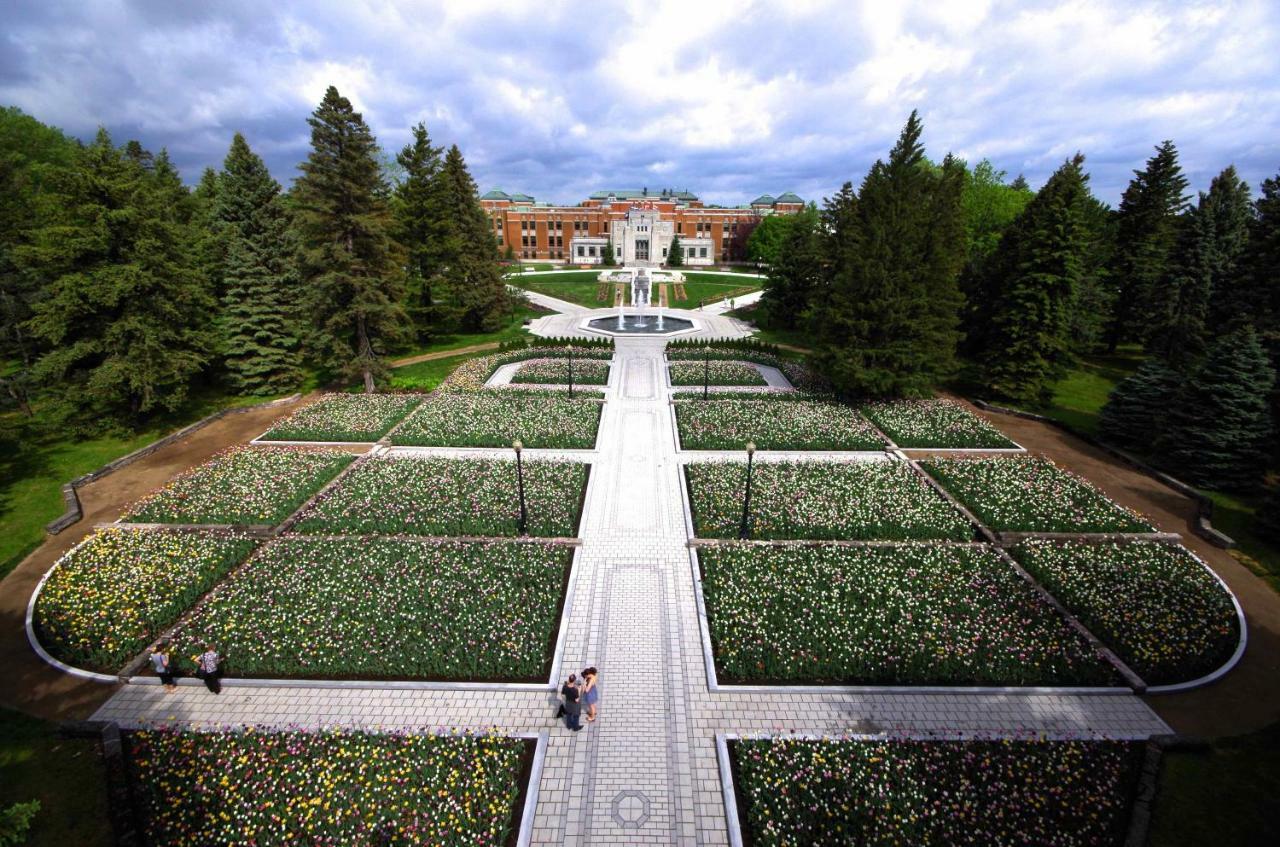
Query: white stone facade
(642, 239)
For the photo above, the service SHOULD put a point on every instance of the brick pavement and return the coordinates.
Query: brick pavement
(646, 772)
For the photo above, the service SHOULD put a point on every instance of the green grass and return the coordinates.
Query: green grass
(1227, 796)
(801, 338)
(513, 330)
(1079, 397)
(574, 286)
(425, 376)
(708, 289)
(64, 774)
(1233, 514)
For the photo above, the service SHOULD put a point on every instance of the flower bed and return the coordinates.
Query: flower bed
(344, 417)
(1152, 603)
(905, 792)
(556, 372)
(487, 420)
(385, 609)
(1031, 494)
(796, 372)
(886, 616)
(472, 374)
(248, 485)
(717, 372)
(934, 423)
(114, 594)
(773, 424)
(821, 500)
(438, 496)
(332, 787)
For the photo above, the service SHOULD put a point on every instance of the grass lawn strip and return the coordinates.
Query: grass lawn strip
(344, 417)
(822, 500)
(385, 609)
(716, 372)
(773, 424)
(242, 485)
(556, 372)
(328, 787)
(115, 593)
(934, 423)
(835, 615)
(1031, 494)
(484, 419)
(908, 792)
(444, 496)
(1154, 604)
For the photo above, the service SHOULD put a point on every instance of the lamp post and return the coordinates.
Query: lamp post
(744, 531)
(570, 349)
(706, 370)
(524, 518)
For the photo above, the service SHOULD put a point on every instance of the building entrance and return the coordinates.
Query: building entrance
(642, 249)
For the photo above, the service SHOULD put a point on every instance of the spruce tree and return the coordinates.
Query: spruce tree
(675, 253)
(1217, 431)
(125, 312)
(1095, 295)
(259, 322)
(890, 325)
(1146, 230)
(1137, 407)
(1201, 272)
(789, 291)
(469, 254)
(351, 268)
(1035, 275)
(1252, 294)
(607, 259)
(421, 228)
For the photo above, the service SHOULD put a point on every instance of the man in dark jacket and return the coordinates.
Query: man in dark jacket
(572, 707)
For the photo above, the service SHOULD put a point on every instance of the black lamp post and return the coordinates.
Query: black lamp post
(744, 531)
(706, 369)
(570, 349)
(524, 518)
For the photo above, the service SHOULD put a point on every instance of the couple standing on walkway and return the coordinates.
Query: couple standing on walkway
(579, 694)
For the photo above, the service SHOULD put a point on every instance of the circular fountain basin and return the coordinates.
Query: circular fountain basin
(640, 325)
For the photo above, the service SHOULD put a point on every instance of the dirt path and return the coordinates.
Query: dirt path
(444, 354)
(29, 684)
(1246, 699)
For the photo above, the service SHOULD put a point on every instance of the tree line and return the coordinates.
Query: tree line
(932, 274)
(121, 289)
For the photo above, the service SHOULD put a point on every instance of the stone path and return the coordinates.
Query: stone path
(646, 772)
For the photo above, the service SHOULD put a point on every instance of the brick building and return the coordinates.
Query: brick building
(639, 224)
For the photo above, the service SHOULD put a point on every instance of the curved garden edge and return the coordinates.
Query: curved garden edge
(70, 493)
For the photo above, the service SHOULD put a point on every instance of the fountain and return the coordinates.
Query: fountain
(641, 323)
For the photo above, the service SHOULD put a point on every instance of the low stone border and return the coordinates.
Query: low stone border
(71, 497)
(1203, 524)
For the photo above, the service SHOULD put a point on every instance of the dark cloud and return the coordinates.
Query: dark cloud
(558, 99)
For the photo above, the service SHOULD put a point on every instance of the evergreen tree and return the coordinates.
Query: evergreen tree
(259, 327)
(1209, 245)
(125, 312)
(1137, 407)
(989, 207)
(606, 255)
(1095, 295)
(1035, 276)
(468, 252)
(421, 227)
(209, 245)
(791, 285)
(675, 254)
(1252, 294)
(890, 324)
(1217, 431)
(764, 245)
(350, 267)
(1146, 230)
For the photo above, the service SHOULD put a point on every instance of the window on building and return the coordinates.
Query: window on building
(591, 251)
(702, 252)
(582, 251)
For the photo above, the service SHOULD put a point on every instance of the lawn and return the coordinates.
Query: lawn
(1234, 514)
(579, 287)
(512, 331)
(909, 792)
(909, 615)
(65, 775)
(1080, 395)
(382, 608)
(266, 787)
(703, 288)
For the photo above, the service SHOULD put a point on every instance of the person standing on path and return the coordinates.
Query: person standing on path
(572, 704)
(210, 669)
(590, 694)
(160, 664)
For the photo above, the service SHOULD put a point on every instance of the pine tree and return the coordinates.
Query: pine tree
(1146, 230)
(890, 326)
(1137, 407)
(1095, 297)
(259, 327)
(1212, 238)
(421, 228)
(1218, 429)
(790, 288)
(1035, 277)
(125, 313)
(468, 252)
(1252, 294)
(350, 266)
(675, 253)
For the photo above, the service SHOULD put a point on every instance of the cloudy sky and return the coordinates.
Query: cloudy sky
(729, 98)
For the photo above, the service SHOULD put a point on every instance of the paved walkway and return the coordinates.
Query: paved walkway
(646, 772)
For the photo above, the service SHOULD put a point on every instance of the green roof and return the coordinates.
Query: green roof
(789, 198)
(642, 194)
(495, 194)
(763, 200)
